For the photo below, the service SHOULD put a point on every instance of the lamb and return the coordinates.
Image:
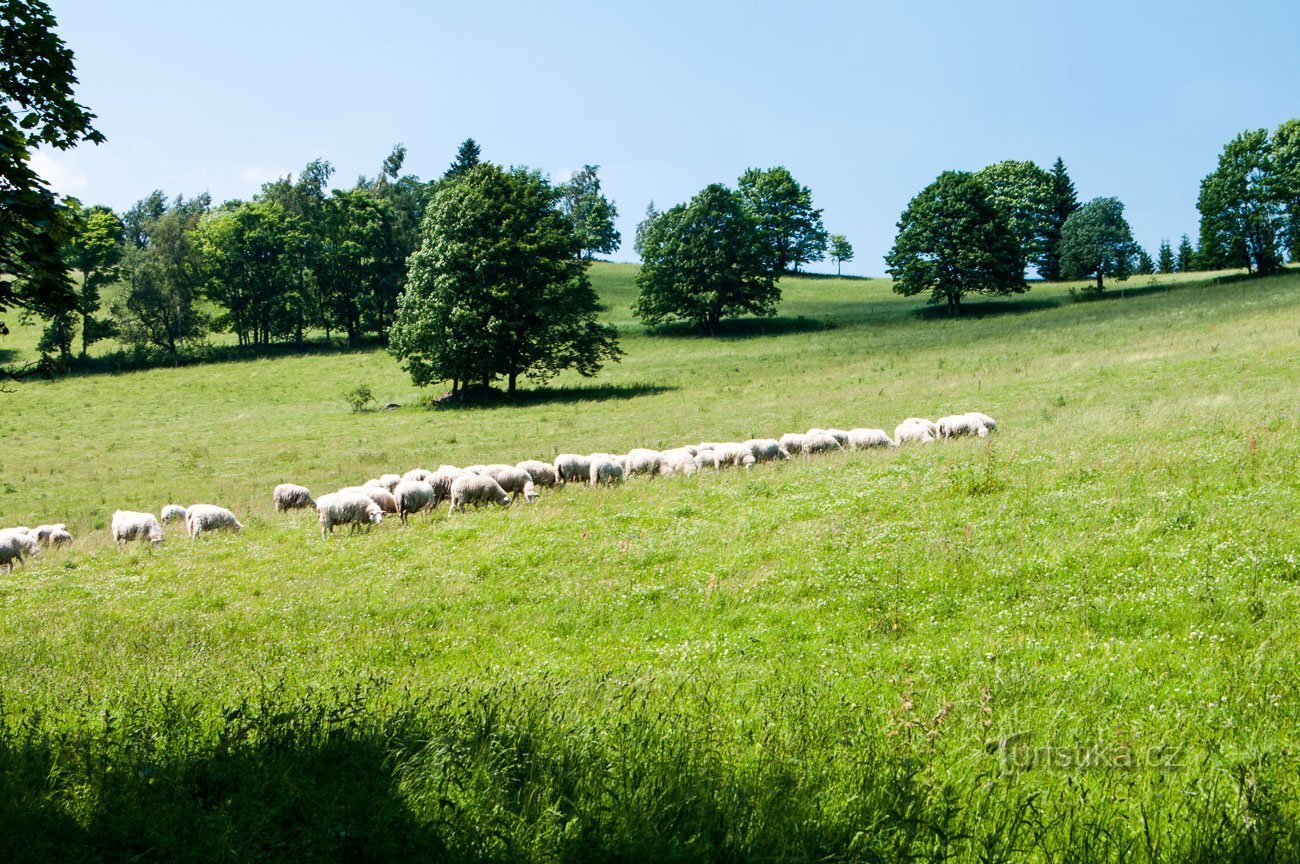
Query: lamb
(417, 474)
(412, 497)
(16, 545)
(573, 467)
(792, 443)
(766, 449)
(289, 496)
(129, 525)
(958, 425)
(642, 461)
(351, 509)
(172, 513)
(52, 535)
(202, 518)
(821, 442)
(478, 490)
(543, 473)
(862, 439)
(515, 481)
(915, 429)
(605, 472)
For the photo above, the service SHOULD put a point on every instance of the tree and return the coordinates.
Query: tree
(402, 199)
(37, 108)
(1166, 257)
(952, 241)
(146, 211)
(1286, 184)
(352, 271)
(1186, 261)
(592, 213)
(1146, 266)
(651, 214)
(841, 250)
(160, 281)
(791, 228)
(1064, 202)
(1097, 240)
(1242, 217)
(497, 287)
(705, 261)
(303, 199)
(1023, 193)
(467, 158)
(95, 250)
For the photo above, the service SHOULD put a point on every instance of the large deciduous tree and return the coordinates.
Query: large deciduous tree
(497, 288)
(592, 213)
(37, 109)
(1024, 194)
(95, 250)
(790, 226)
(705, 261)
(952, 242)
(1242, 216)
(1064, 202)
(1286, 183)
(1097, 241)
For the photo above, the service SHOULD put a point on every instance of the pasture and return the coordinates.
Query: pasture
(1076, 640)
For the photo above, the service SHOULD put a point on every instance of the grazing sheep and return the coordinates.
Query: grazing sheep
(679, 460)
(821, 442)
(16, 545)
(390, 481)
(642, 461)
(347, 508)
(862, 439)
(172, 513)
(989, 423)
(381, 496)
(478, 490)
(516, 481)
(52, 535)
(959, 425)
(290, 496)
(474, 469)
(792, 443)
(129, 525)
(706, 459)
(572, 467)
(766, 449)
(915, 430)
(605, 472)
(732, 454)
(412, 497)
(441, 483)
(202, 518)
(418, 474)
(543, 473)
(838, 434)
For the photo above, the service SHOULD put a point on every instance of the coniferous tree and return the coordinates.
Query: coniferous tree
(1186, 260)
(1064, 202)
(1146, 266)
(468, 156)
(1166, 257)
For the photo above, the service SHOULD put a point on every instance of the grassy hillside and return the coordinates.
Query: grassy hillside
(1077, 640)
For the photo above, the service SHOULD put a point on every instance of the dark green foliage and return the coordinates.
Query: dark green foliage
(95, 250)
(1064, 202)
(1286, 181)
(791, 228)
(1242, 212)
(1186, 262)
(1025, 196)
(37, 108)
(352, 278)
(1145, 265)
(592, 213)
(840, 250)
(638, 244)
(468, 156)
(497, 287)
(1165, 259)
(703, 262)
(952, 242)
(1097, 240)
(136, 220)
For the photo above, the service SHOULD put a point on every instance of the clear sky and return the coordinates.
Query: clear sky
(864, 102)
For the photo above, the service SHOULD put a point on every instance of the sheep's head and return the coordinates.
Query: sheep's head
(530, 493)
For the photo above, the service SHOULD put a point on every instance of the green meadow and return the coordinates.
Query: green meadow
(1076, 640)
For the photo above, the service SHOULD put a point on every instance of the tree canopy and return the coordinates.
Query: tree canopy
(1024, 194)
(1064, 202)
(497, 288)
(1242, 207)
(840, 250)
(790, 226)
(1097, 240)
(705, 261)
(591, 212)
(468, 157)
(952, 241)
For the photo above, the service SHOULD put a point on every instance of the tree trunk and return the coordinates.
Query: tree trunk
(1100, 282)
(514, 376)
(838, 262)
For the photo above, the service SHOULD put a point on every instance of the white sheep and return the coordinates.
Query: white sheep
(17, 545)
(543, 473)
(605, 472)
(381, 496)
(203, 518)
(515, 481)
(792, 443)
(838, 434)
(862, 439)
(959, 425)
(821, 442)
(989, 423)
(679, 460)
(347, 508)
(290, 496)
(52, 535)
(172, 513)
(573, 467)
(766, 449)
(915, 430)
(706, 459)
(412, 497)
(129, 525)
(390, 481)
(478, 490)
(420, 474)
(640, 460)
(441, 483)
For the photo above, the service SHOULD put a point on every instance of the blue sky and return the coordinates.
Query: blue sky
(864, 102)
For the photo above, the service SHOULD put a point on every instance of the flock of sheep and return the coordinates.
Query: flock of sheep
(361, 507)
